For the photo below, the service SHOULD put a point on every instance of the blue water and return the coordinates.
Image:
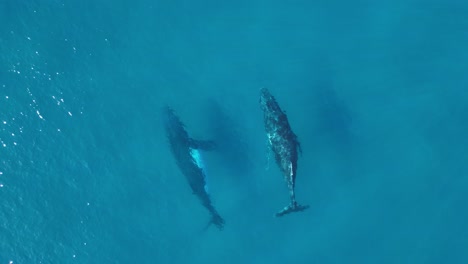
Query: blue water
(375, 90)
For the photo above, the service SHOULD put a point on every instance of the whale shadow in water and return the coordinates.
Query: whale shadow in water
(335, 126)
(231, 143)
(334, 118)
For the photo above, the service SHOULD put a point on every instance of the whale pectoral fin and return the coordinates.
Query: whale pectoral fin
(299, 148)
(203, 144)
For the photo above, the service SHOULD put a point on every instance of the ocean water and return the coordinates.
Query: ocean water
(375, 90)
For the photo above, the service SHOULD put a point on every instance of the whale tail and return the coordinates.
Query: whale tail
(292, 207)
(216, 220)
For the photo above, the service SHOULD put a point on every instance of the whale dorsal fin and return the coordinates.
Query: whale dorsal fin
(299, 147)
(202, 144)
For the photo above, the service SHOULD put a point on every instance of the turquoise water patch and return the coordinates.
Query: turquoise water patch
(376, 93)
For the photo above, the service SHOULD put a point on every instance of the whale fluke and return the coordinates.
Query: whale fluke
(218, 221)
(293, 207)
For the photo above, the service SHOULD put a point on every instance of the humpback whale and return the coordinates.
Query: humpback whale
(284, 145)
(186, 152)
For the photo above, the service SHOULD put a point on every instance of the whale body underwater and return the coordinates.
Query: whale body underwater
(282, 141)
(284, 145)
(188, 156)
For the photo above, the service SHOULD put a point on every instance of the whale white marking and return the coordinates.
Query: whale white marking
(197, 157)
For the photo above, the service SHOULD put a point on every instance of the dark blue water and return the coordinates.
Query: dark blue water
(376, 92)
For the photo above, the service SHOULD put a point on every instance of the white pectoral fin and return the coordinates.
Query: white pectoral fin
(196, 156)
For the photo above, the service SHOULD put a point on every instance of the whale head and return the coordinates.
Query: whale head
(175, 129)
(265, 97)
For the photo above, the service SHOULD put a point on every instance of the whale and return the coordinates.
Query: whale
(284, 144)
(187, 153)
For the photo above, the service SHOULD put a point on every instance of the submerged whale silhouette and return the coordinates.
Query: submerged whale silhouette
(186, 152)
(284, 145)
